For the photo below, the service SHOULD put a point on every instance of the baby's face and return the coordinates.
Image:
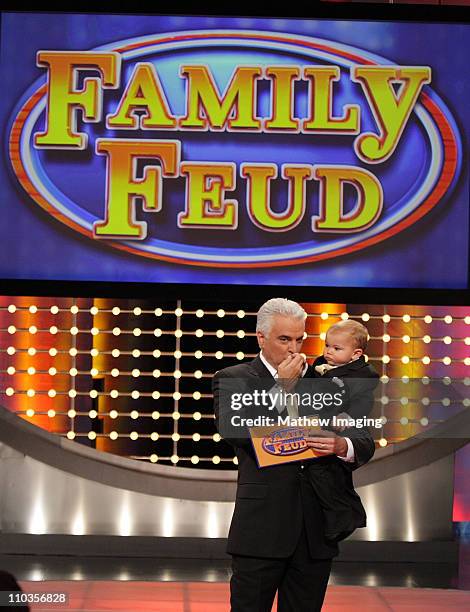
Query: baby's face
(340, 348)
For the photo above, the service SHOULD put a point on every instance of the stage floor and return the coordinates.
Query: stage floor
(97, 596)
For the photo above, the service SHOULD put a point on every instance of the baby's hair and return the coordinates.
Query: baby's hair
(355, 329)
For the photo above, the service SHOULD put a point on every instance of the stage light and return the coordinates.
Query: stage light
(116, 310)
(385, 359)
(134, 435)
(94, 372)
(157, 354)
(324, 316)
(175, 437)
(11, 370)
(178, 333)
(93, 393)
(406, 318)
(115, 372)
(33, 309)
(178, 312)
(426, 360)
(157, 332)
(74, 309)
(198, 354)
(241, 333)
(154, 458)
(177, 374)
(113, 414)
(467, 361)
(71, 413)
(156, 373)
(155, 395)
(447, 361)
(219, 355)
(114, 393)
(384, 420)
(447, 380)
(196, 437)
(94, 331)
(405, 379)
(135, 373)
(383, 442)
(52, 371)
(73, 331)
(94, 310)
(52, 352)
(425, 401)
(198, 374)
(405, 359)
(365, 316)
(386, 338)
(116, 331)
(199, 313)
(406, 339)
(445, 401)
(94, 352)
(54, 309)
(403, 421)
(11, 351)
(11, 308)
(11, 329)
(384, 400)
(134, 414)
(428, 319)
(176, 395)
(53, 330)
(113, 435)
(424, 421)
(404, 401)
(136, 331)
(70, 435)
(175, 415)
(9, 391)
(72, 393)
(92, 435)
(199, 333)
(177, 354)
(158, 312)
(384, 379)
(323, 336)
(386, 318)
(240, 314)
(467, 341)
(221, 313)
(197, 416)
(174, 459)
(30, 392)
(155, 415)
(448, 319)
(427, 339)
(216, 437)
(194, 459)
(467, 320)
(51, 413)
(425, 380)
(52, 393)
(215, 459)
(137, 311)
(92, 414)
(135, 394)
(344, 316)
(220, 333)
(466, 401)
(154, 436)
(447, 340)
(235, 460)
(240, 355)
(466, 381)
(30, 413)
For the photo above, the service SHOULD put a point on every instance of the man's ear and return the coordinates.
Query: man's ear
(261, 339)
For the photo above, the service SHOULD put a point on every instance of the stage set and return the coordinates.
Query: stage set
(164, 176)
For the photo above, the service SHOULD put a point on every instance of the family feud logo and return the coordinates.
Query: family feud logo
(146, 115)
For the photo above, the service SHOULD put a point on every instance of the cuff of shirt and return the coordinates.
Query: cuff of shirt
(350, 456)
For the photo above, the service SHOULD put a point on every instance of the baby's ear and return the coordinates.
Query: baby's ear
(358, 353)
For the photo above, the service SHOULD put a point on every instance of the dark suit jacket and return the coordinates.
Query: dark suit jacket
(273, 502)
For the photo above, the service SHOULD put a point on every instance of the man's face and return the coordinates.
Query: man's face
(284, 338)
(340, 348)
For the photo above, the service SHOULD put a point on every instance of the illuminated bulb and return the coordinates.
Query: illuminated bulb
(92, 435)
(155, 415)
(466, 381)
(197, 416)
(386, 318)
(199, 313)
(73, 371)
(467, 341)
(383, 442)
(467, 361)
(240, 333)
(70, 435)
(405, 359)
(114, 393)
(9, 391)
(386, 338)
(426, 360)
(425, 380)
(322, 335)
(94, 372)
(196, 395)
(137, 311)
(177, 354)
(52, 393)
(11, 329)
(424, 421)
(71, 413)
(425, 401)
(196, 437)
(240, 314)
(235, 460)
(116, 311)
(447, 380)
(175, 437)
(176, 395)
(74, 309)
(365, 316)
(215, 459)
(94, 352)
(174, 459)
(406, 318)
(30, 412)
(384, 400)
(219, 355)
(53, 352)
(51, 413)
(384, 420)
(447, 340)
(94, 310)
(72, 393)
(404, 401)
(448, 319)
(178, 333)
(114, 372)
(178, 312)
(177, 374)
(136, 331)
(199, 333)
(220, 333)
(11, 351)
(198, 374)
(324, 316)
(240, 355)
(158, 312)
(154, 458)
(54, 309)
(156, 353)
(156, 373)
(385, 359)
(384, 379)
(116, 331)
(445, 401)
(157, 332)
(466, 401)
(53, 330)
(344, 316)
(94, 331)
(404, 421)
(33, 309)
(133, 435)
(406, 339)
(113, 435)
(134, 414)
(154, 436)
(113, 414)
(175, 416)
(198, 354)
(156, 395)
(428, 319)
(216, 437)
(135, 394)
(73, 331)
(92, 414)
(135, 373)
(11, 308)
(427, 339)
(221, 313)
(11, 370)
(93, 394)
(115, 353)
(194, 459)
(447, 361)
(467, 320)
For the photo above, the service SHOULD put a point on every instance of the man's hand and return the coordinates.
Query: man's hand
(290, 369)
(328, 444)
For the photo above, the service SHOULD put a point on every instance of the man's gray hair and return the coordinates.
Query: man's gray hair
(277, 306)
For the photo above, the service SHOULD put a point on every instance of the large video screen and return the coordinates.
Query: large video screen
(234, 151)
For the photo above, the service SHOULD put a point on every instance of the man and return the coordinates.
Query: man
(276, 537)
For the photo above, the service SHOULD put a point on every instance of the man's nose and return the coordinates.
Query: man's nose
(292, 347)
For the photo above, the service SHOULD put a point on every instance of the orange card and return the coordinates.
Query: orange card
(274, 445)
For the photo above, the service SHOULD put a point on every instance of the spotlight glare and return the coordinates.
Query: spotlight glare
(177, 354)
(178, 333)
(427, 339)
(74, 309)
(177, 374)
(216, 437)
(406, 339)
(94, 372)
(33, 309)
(135, 373)
(93, 394)
(405, 359)
(134, 414)
(174, 459)
(71, 413)
(92, 414)
(74, 331)
(386, 338)
(11, 329)
(424, 421)
(114, 372)
(52, 371)
(426, 360)
(176, 395)
(158, 312)
(324, 316)
(446, 360)
(72, 393)
(156, 373)
(94, 352)
(240, 333)
(73, 371)
(136, 331)
(447, 340)
(11, 370)
(221, 313)
(220, 333)
(53, 330)
(9, 391)
(94, 331)
(115, 353)
(51, 413)
(386, 359)
(114, 393)
(322, 335)
(198, 354)
(383, 442)
(52, 393)
(116, 331)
